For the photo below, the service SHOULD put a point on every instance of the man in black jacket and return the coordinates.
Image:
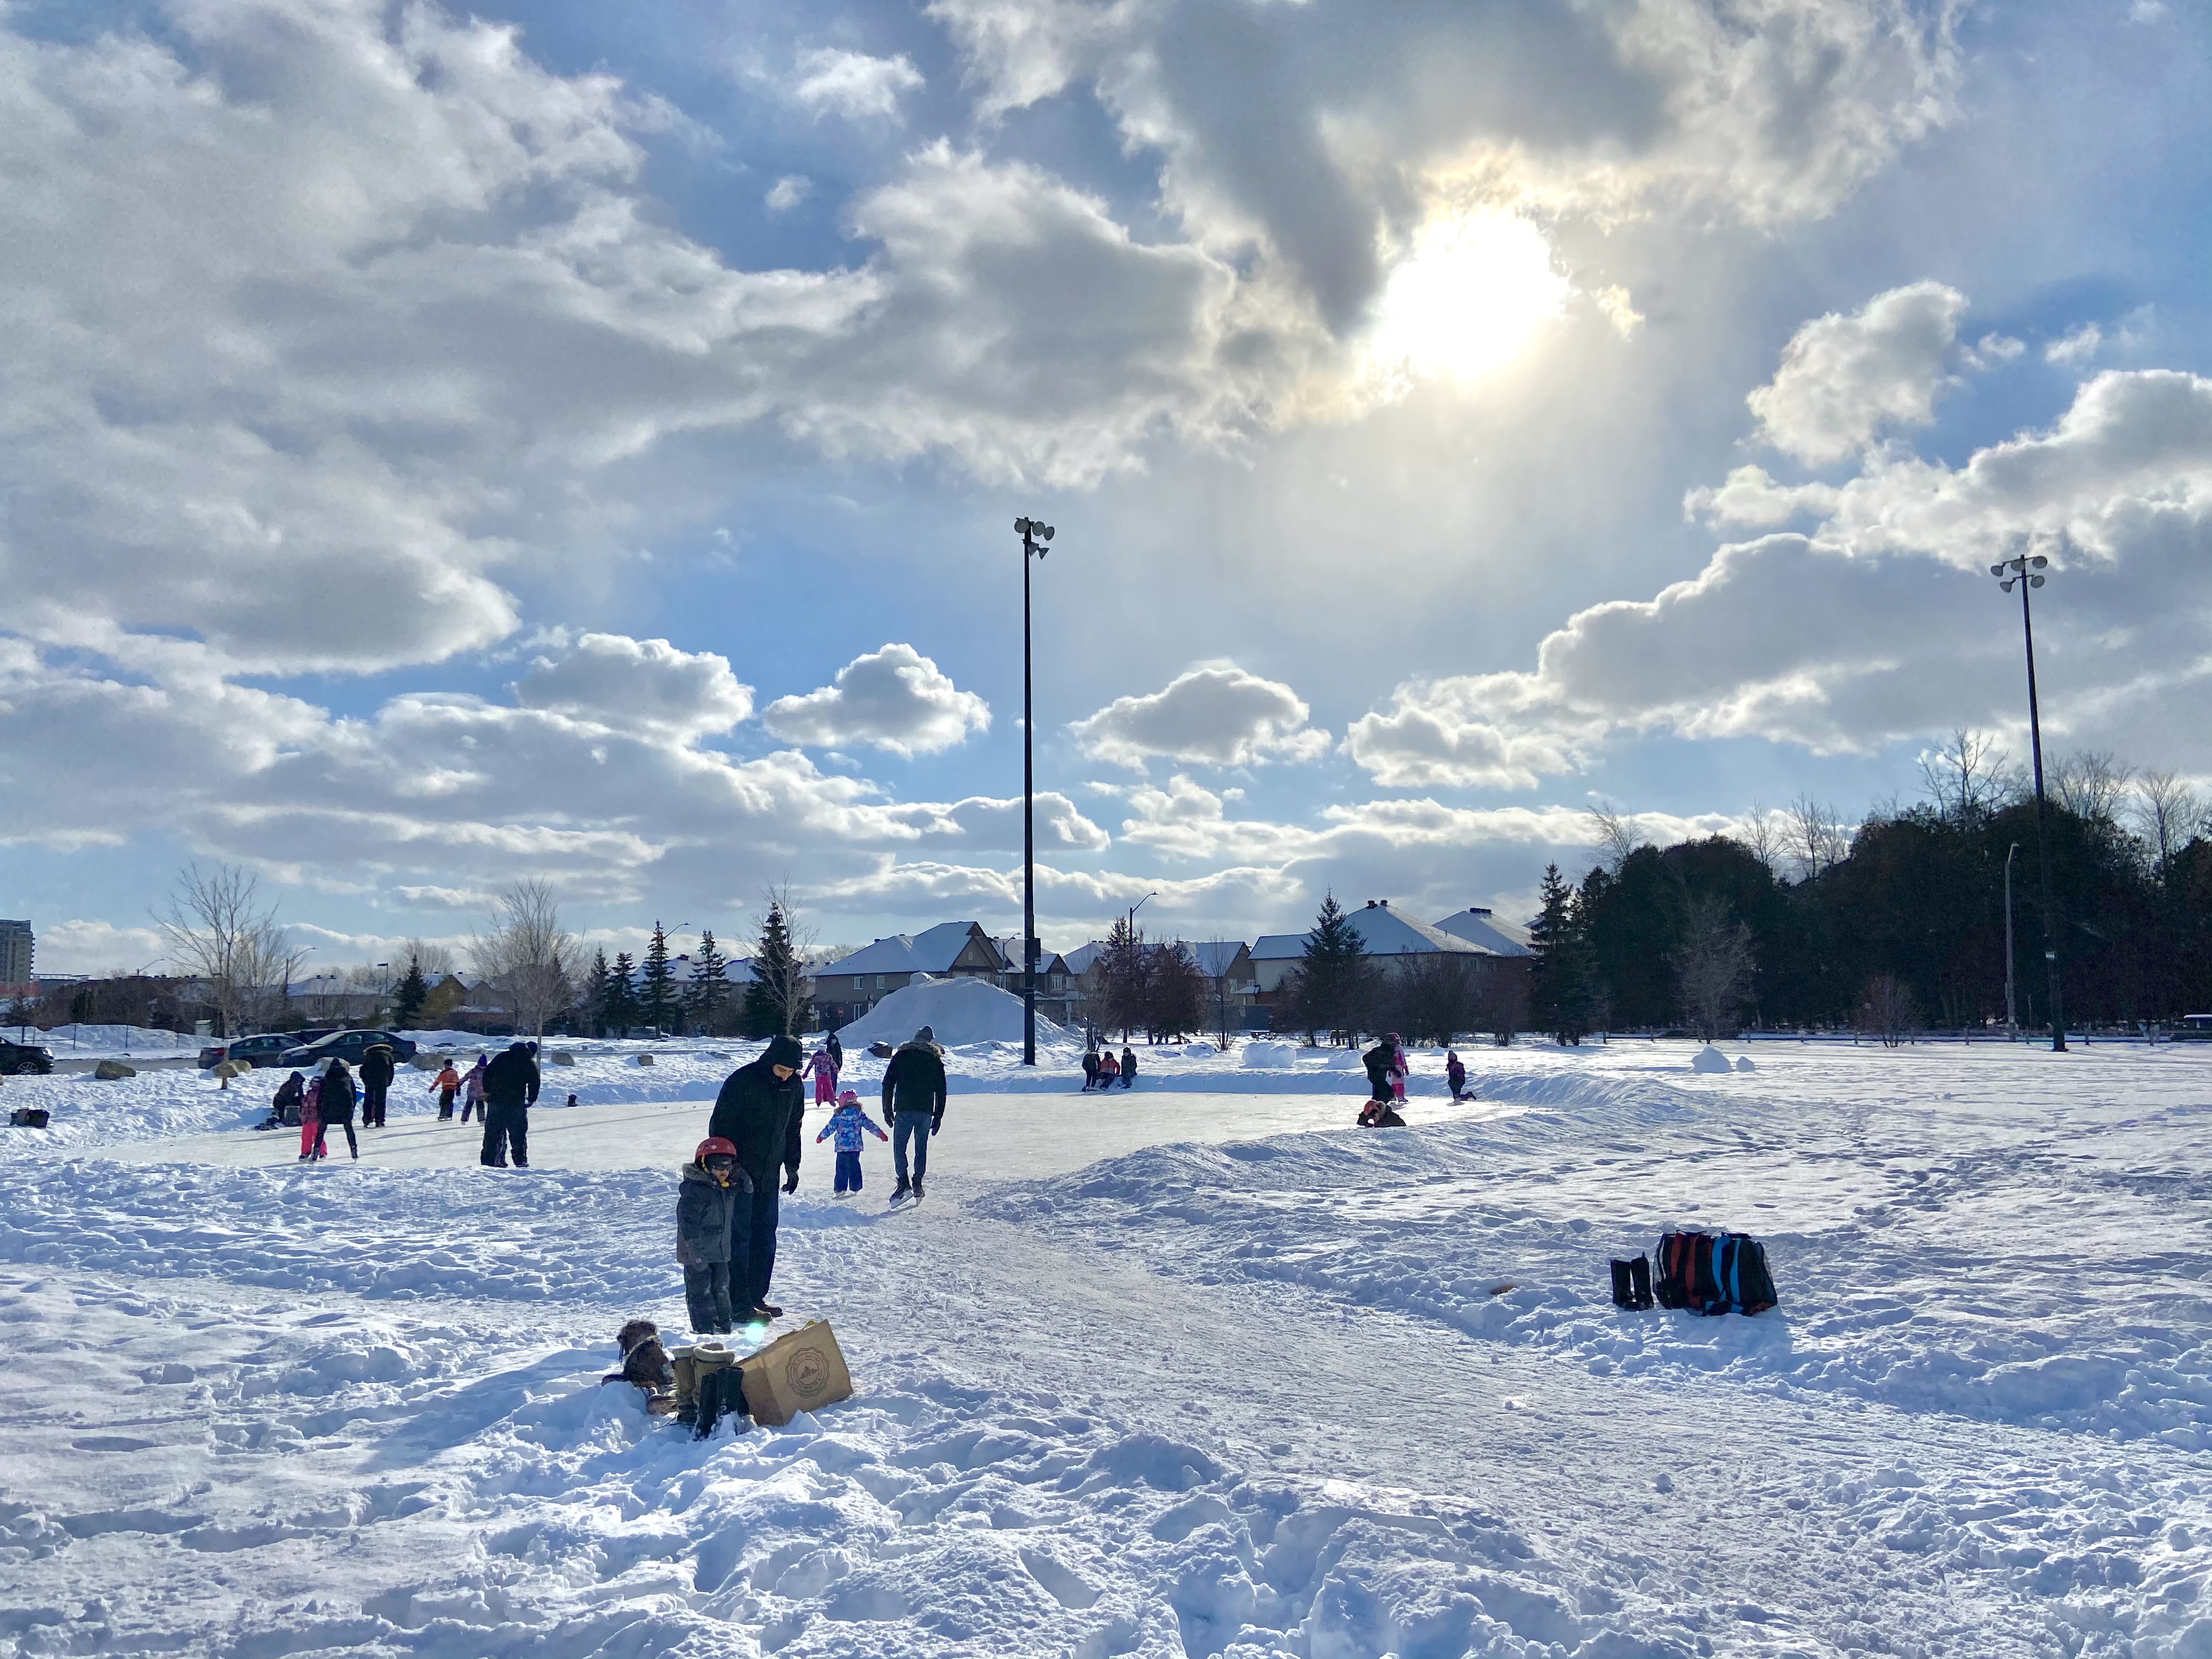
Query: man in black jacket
(376, 1073)
(759, 1112)
(914, 1100)
(510, 1086)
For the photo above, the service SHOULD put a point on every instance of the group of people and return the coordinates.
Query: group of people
(500, 1091)
(1387, 1071)
(1102, 1071)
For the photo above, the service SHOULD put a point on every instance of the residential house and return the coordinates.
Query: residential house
(1478, 925)
(1055, 985)
(848, 987)
(1497, 947)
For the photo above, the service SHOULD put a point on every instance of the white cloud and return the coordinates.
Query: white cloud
(788, 192)
(612, 680)
(1843, 379)
(895, 699)
(1991, 350)
(2075, 348)
(1471, 732)
(1216, 714)
(829, 81)
(78, 946)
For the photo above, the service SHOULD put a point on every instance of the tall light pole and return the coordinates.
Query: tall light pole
(1034, 533)
(1137, 906)
(2026, 571)
(2012, 1019)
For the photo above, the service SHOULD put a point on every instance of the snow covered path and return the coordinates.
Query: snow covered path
(1255, 1398)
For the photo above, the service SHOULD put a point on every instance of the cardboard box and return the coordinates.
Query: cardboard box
(801, 1371)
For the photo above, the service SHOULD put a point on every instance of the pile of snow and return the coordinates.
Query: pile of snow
(959, 1012)
(1709, 1058)
(96, 1041)
(1743, 1063)
(1271, 1056)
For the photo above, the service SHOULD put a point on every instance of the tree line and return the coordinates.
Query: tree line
(1338, 990)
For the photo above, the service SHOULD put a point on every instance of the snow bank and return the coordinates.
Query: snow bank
(1709, 1058)
(960, 1012)
(102, 1041)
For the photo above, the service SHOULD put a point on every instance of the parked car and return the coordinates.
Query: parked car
(2192, 1028)
(255, 1050)
(348, 1046)
(24, 1059)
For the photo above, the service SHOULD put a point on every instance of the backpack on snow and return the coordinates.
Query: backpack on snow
(29, 1117)
(1707, 1275)
(1740, 1266)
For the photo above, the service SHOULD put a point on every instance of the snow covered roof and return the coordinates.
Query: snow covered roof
(1079, 960)
(1382, 931)
(932, 950)
(1216, 957)
(1479, 927)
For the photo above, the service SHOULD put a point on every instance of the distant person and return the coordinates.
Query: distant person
(1378, 1061)
(1381, 1114)
(335, 1105)
(1455, 1074)
(713, 1206)
(445, 1085)
(836, 1051)
(848, 1123)
(823, 1068)
(914, 1100)
(376, 1073)
(284, 1107)
(311, 1119)
(1090, 1067)
(759, 1111)
(1128, 1066)
(1400, 1069)
(510, 1087)
(472, 1094)
(1108, 1069)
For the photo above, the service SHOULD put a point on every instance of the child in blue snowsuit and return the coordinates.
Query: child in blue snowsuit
(847, 1123)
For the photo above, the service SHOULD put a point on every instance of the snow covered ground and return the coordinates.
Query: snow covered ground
(1189, 1370)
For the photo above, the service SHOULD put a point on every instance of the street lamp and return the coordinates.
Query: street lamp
(2026, 571)
(1034, 533)
(1137, 906)
(2012, 1019)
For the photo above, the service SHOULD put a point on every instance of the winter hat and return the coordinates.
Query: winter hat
(848, 1098)
(926, 1034)
(785, 1051)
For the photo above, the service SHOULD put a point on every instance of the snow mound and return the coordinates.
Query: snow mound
(98, 1041)
(959, 1011)
(1743, 1063)
(1710, 1059)
(1271, 1056)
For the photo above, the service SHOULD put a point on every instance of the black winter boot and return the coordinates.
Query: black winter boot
(1639, 1281)
(1623, 1295)
(903, 1188)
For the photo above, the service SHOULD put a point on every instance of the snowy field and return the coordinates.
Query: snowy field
(1190, 1370)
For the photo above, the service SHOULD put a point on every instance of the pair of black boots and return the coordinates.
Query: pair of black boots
(907, 1188)
(1632, 1284)
(721, 1393)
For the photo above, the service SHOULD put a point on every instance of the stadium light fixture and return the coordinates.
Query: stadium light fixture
(2025, 571)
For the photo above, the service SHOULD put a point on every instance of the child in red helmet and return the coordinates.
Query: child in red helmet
(709, 1244)
(848, 1123)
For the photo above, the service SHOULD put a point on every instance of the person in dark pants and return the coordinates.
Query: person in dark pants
(510, 1090)
(713, 1197)
(1090, 1070)
(914, 1100)
(1128, 1066)
(759, 1111)
(836, 1050)
(335, 1106)
(376, 1070)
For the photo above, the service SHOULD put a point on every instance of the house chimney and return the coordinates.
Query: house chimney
(1478, 909)
(1384, 902)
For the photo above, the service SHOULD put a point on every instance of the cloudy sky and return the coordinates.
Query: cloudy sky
(583, 441)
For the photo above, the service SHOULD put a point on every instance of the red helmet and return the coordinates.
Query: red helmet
(715, 1147)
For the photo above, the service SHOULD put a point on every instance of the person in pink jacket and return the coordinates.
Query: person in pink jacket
(824, 1067)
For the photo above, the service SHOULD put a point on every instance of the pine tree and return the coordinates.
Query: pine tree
(658, 1005)
(596, 984)
(1561, 976)
(776, 1003)
(407, 1001)
(1123, 975)
(619, 1011)
(1334, 969)
(706, 997)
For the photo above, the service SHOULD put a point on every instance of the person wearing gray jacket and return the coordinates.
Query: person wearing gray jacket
(713, 1213)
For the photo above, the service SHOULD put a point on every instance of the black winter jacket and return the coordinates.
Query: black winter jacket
(760, 1117)
(706, 1212)
(1377, 1061)
(376, 1068)
(336, 1100)
(914, 1081)
(511, 1078)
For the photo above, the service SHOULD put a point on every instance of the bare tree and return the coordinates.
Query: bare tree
(1761, 835)
(2167, 812)
(1816, 841)
(1886, 1010)
(436, 961)
(2090, 784)
(1616, 833)
(525, 954)
(1438, 996)
(215, 928)
(1712, 967)
(1967, 778)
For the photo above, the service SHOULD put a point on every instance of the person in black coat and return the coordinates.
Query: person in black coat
(336, 1106)
(1090, 1070)
(376, 1072)
(284, 1109)
(510, 1090)
(914, 1100)
(759, 1111)
(836, 1050)
(713, 1208)
(1128, 1066)
(1377, 1061)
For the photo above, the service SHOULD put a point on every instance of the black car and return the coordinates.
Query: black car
(24, 1059)
(348, 1046)
(254, 1050)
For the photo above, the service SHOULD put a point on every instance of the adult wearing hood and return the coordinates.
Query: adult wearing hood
(1128, 1066)
(758, 1112)
(1379, 1061)
(376, 1073)
(510, 1090)
(914, 1100)
(334, 1105)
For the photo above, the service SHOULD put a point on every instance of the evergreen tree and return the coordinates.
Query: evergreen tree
(657, 1004)
(1333, 974)
(407, 1001)
(707, 995)
(596, 984)
(1123, 977)
(1174, 991)
(1562, 979)
(619, 1011)
(776, 1003)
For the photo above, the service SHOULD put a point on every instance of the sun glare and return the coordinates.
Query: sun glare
(1471, 293)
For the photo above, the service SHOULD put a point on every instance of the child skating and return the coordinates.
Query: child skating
(848, 1123)
(445, 1085)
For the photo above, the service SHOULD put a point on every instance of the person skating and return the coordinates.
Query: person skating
(1090, 1068)
(1378, 1061)
(836, 1052)
(472, 1094)
(510, 1090)
(823, 1068)
(1380, 1114)
(712, 1204)
(311, 1119)
(848, 1123)
(1455, 1074)
(445, 1085)
(1399, 1070)
(1128, 1066)
(914, 1100)
(376, 1074)
(335, 1105)
(759, 1111)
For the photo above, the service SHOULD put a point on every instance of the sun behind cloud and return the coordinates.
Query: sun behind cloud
(1472, 291)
